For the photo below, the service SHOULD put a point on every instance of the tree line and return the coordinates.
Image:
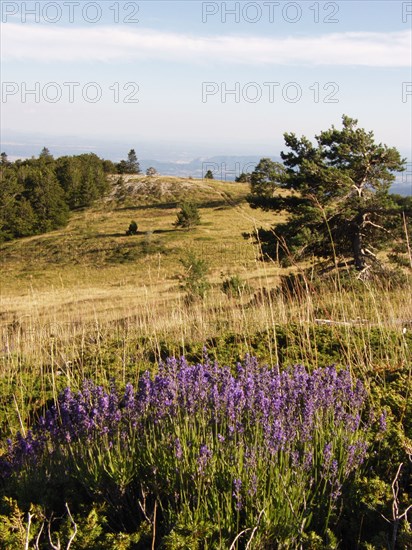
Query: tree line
(37, 194)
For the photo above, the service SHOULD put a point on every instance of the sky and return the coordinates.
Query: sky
(193, 78)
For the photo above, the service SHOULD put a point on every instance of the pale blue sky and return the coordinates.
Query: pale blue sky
(322, 59)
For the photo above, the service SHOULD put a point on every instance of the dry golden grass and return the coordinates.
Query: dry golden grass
(92, 265)
(87, 294)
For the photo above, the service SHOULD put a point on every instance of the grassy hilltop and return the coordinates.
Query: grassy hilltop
(88, 301)
(92, 258)
(91, 274)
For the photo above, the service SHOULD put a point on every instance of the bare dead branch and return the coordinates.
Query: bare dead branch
(26, 545)
(368, 222)
(74, 525)
(38, 536)
(54, 547)
(408, 246)
(238, 537)
(154, 525)
(254, 529)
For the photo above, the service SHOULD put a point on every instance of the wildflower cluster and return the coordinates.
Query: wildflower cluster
(248, 447)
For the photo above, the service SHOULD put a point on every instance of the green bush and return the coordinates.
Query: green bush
(188, 216)
(132, 228)
(234, 286)
(195, 278)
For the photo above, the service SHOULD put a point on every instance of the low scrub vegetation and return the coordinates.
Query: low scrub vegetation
(137, 448)
(254, 457)
(168, 389)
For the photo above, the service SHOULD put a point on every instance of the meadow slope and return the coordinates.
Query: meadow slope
(89, 302)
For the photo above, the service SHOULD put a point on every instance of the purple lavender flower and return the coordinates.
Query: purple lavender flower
(178, 449)
(262, 411)
(327, 454)
(382, 421)
(237, 487)
(205, 454)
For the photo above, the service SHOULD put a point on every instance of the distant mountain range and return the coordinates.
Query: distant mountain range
(177, 159)
(227, 168)
(223, 167)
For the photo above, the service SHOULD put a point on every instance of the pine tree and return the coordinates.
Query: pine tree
(188, 216)
(46, 196)
(337, 197)
(132, 228)
(45, 154)
(129, 166)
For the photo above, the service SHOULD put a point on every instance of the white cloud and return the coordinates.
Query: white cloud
(111, 44)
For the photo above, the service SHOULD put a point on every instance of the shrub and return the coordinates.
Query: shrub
(243, 178)
(188, 216)
(234, 286)
(196, 282)
(132, 228)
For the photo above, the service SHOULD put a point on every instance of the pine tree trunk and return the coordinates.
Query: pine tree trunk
(357, 250)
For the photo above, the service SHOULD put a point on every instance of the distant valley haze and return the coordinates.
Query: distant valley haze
(169, 159)
(180, 81)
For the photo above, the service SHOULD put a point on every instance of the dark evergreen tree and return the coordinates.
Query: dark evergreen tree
(265, 180)
(209, 175)
(121, 167)
(36, 194)
(188, 216)
(109, 167)
(45, 154)
(337, 195)
(133, 165)
(69, 175)
(93, 181)
(244, 177)
(17, 218)
(132, 228)
(129, 166)
(82, 178)
(46, 196)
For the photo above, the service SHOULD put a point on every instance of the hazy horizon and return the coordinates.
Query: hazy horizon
(203, 78)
